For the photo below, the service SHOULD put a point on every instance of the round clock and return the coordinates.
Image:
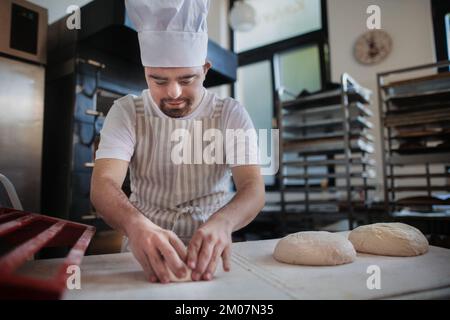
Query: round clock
(372, 47)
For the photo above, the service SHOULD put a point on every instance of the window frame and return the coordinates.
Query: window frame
(439, 9)
(271, 52)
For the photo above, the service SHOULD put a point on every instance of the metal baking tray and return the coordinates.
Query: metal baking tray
(421, 200)
(327, 146)
(335, 162)
(297, 188)
(339, 135)
(416, 118)
(436, 82)
(420, 188)
(423, 98)
(358, 122)
(311, 176)
(327, 98)
(355, 108)
(431, 157)
(422, 150)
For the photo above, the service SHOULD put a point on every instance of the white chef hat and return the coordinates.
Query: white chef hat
(172, 33)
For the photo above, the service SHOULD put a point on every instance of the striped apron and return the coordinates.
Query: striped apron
(177, 197)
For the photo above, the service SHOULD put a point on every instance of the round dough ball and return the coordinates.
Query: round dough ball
(314, 248)
(389, 239)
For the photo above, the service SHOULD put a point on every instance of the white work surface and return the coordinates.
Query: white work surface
(256, 275)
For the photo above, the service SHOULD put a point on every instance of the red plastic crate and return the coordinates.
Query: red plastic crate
(22, 235)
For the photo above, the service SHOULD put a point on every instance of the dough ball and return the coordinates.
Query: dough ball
(174, 278)
(314, 248)
(389, 239)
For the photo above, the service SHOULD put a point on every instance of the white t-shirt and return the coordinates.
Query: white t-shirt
(118, 135)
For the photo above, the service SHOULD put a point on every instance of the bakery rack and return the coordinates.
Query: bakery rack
(415, 135)
(325, 147)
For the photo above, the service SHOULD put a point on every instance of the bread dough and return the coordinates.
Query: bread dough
(174, 278)
(314, 248)
(389, 239)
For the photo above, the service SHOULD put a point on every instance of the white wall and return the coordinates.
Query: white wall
(409, 23)
(218, 23)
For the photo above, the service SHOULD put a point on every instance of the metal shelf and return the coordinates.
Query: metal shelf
(419, 188)
(328, 147)
(422, 150)
(297, 188)
(418, 118)
(432, 216)
(359, 122)
(429, 158)
(338, 162)
(327, 98)
(330, 175)
(421, 84)
(327, 137)
(356, 107)
(429, 136)
(419, 98)
(420, 201)
(331, 125)
(418, 176)
(414, 117)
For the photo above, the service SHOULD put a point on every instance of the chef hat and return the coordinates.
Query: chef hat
(172, 33)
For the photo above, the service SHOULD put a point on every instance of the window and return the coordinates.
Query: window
(441, 26)
(254, 91)
(288, 50)
(279, 20)
(447, 31)
(299, 69)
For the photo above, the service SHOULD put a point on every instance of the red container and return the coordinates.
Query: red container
(22, 235)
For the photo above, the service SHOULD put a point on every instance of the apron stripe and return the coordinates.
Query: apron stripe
(176, 197)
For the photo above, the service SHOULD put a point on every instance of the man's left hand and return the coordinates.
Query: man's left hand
(209, 243)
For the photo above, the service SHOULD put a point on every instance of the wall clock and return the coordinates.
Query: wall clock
(372, 47)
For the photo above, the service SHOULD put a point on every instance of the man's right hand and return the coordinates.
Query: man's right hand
(156, 250)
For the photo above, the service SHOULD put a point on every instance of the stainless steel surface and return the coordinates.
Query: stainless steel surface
(21, 125)
(11, 192)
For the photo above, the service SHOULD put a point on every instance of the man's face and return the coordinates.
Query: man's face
(176, 90)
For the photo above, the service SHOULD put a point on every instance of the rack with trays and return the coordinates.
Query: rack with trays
(415, 123)
(325, 147)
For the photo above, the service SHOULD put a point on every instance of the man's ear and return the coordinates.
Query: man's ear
(207, 66)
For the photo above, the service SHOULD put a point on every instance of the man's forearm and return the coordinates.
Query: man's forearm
(113, 205)
(243, 207)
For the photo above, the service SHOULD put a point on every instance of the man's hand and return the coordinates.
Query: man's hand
(156, 250)
(208, 244)
(213, 239)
